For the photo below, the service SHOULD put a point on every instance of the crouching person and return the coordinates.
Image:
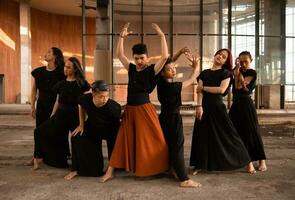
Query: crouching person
(103, 120)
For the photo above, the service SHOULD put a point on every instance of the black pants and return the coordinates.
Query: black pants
(51, 137)
(87, 157)
(172, 126)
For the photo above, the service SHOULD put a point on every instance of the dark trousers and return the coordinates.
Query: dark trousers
(172, 126)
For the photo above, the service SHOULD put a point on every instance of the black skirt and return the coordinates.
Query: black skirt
(244, 117)
(216, 144)
(51, 137)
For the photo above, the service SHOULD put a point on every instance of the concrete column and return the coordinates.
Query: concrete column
(102, 55)
(25, 50)
(270, 69)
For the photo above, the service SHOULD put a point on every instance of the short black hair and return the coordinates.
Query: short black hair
(100, 86)
(139, 49)
(246, 53)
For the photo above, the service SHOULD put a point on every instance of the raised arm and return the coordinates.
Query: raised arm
(120, 47)
(217, 90)
(164, 49)
(184, 51)
(195, 64)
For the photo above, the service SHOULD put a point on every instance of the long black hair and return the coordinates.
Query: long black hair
(79, 75)
(229, 61)
(59, 61)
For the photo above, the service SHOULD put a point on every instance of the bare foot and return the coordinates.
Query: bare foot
(37, 163)
(173, 173)
(190, 184)
(29, 163)
(106, 178)
(251, 168)
(196, 171)
(71, 175)
(262, 166)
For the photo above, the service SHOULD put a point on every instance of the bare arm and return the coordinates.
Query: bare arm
(80, 128)
(195, 64)
(33, 99)
(164, 49)
(120, 47)
(184, 50)
(55, 105)
(218, 90)
(199, 111)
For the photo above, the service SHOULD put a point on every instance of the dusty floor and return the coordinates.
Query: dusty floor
(19, 182)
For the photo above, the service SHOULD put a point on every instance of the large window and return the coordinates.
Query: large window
(204, 27)
(290, 51)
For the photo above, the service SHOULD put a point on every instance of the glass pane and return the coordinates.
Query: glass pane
(156, 12)
(290, 93)
(269, 71)
(209, 48)
(243, 17)
(243, 43)
(186, 17)
(127, 11)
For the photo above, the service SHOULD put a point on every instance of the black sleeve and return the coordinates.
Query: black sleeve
(226, 74)
(253, 74)
(36, 72)
(81, 99)
(115, 108)
(201, 76)
(85, 87)
(57, 87)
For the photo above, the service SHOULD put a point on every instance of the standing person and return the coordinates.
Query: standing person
(44, 79)
(169, 95)
(103, 122)
(243, 113)
(51, 137)
(216, 144)
(140, 146)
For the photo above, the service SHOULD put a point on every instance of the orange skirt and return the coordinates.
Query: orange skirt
(140, 145)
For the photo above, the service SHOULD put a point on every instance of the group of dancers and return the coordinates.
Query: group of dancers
(139, 141)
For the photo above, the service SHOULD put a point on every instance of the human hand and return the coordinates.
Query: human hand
(199, 112)
(124, 32)
(157, 29)
(79, 129)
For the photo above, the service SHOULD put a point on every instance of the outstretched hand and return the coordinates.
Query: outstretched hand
(124, 32)
(193, 59)
(157, 29)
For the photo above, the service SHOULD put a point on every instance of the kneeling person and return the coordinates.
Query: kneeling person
(102, 123)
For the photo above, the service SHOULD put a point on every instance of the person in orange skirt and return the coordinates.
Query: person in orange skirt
(140, 146)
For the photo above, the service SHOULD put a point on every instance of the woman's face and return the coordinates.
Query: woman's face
(49, 56)
(69, 69)
(169, 71)
(245, 61)
(100, 98)
(140, 60)
(221, 57)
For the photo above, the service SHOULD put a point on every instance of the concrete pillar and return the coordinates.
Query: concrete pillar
(271, 68)
(102, 55)
(25, 50)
